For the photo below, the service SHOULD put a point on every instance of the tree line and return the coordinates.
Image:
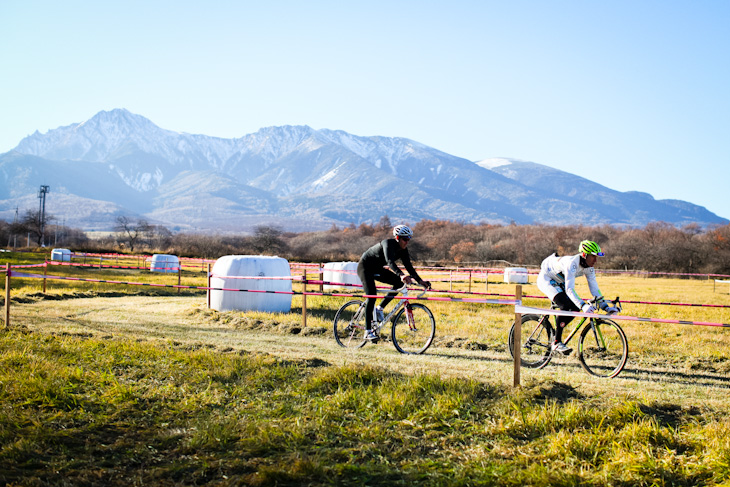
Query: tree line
(657, 247)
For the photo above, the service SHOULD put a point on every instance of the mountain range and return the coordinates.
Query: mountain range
(298, 178)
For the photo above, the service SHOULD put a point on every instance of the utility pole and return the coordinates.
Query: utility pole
(42, 196)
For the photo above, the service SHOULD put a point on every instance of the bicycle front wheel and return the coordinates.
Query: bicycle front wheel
(413, 329)
(349, 326)
(603, 348)
(536, 339)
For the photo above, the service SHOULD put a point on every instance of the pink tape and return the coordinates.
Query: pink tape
(557, 312)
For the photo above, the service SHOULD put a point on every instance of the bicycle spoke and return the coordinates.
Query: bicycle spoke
(536, 337)
(349, 325)
(603, 348)
(413, 329)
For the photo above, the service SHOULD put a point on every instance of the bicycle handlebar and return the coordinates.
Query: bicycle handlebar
(616, 302)
(405, 288)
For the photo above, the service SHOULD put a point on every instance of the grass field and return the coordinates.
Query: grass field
(109, 384)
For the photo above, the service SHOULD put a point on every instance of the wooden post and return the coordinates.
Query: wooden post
(517, 342)
(179, 275)
(486, 280)
(208, 291)
(451, 280)
(304, 298)
(7, 295)
(45, 273)
(469, 281)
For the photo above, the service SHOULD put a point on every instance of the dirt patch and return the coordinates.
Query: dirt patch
(466, 344)
(239, 321)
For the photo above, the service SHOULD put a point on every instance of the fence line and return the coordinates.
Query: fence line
(262, 291)
(321, 283)
(305, 293)
(557, 312)
(517, 303)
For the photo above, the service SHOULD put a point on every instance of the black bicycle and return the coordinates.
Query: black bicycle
(602, 346)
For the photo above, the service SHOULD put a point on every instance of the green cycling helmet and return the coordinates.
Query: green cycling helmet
(589, 248)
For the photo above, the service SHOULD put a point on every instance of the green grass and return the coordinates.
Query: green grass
(83, 411)
(126, 387)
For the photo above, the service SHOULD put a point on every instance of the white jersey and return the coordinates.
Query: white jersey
(557, 274)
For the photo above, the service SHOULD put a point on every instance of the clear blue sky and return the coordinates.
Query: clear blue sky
(632, 94)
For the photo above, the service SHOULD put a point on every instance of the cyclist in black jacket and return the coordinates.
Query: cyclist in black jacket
(371, 268)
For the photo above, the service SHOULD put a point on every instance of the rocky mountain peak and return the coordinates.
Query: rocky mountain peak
(305, 179)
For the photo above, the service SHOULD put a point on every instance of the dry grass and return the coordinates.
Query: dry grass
(174, 393)
(471, 338)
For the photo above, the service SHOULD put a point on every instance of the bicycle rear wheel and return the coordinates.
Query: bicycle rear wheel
(413, 329)
(536, 339)
(349, 325)
(603, 348)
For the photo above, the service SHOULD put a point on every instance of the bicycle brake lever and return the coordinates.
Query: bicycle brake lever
(616, 304)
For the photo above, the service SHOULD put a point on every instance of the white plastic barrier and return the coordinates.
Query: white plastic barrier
(164, 263)
(715, 283)
(515, 275)
(227, 269)
(61, 255)
(345, 272)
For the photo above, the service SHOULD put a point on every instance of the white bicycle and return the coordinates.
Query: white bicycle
(412, 332)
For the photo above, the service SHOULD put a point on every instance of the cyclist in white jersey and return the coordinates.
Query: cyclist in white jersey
(557, 281)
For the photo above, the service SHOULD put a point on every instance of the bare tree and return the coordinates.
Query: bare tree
(5, 232)
(158, 237)
(385, 223)
(131, 231)
(267, 239)
(31, 223)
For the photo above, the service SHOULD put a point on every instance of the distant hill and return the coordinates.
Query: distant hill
(119, 163)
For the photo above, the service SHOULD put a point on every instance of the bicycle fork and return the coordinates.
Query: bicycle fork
(409, 317)
(598, 335)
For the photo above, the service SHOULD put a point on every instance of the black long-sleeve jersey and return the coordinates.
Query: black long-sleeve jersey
(387, 253)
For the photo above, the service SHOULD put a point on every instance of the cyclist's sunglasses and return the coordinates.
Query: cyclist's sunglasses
(405, 238)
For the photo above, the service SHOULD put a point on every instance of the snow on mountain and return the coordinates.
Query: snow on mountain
(304, 178)
(494, 162)
(110, 134)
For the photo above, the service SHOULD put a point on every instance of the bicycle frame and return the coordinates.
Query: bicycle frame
(413, 324)
(575, 329)
(403, 302)
(596, 330)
